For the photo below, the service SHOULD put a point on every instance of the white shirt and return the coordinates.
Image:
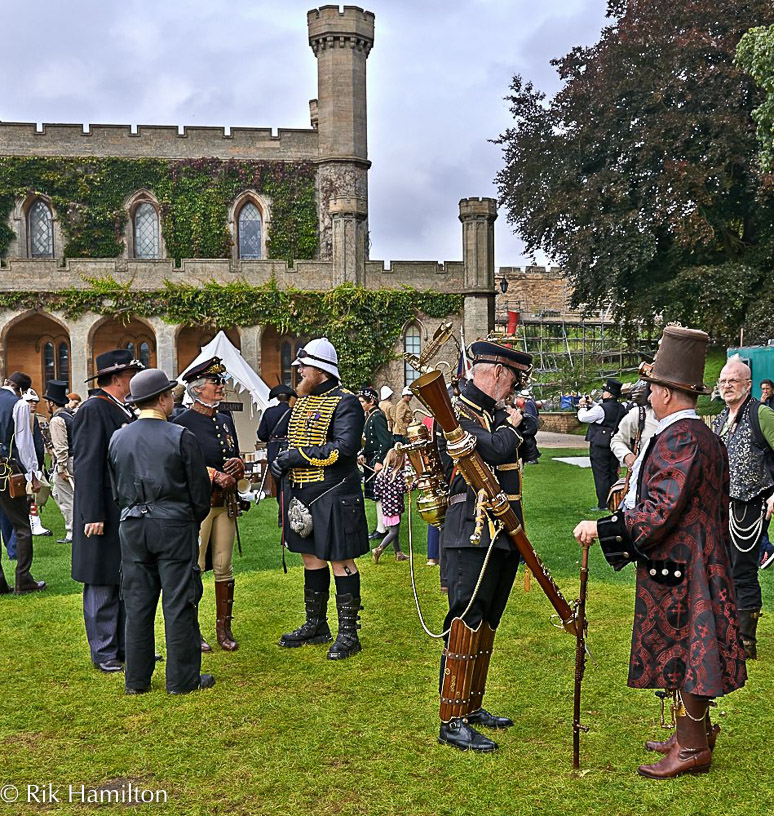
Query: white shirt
(631, 495)
(593, 415)
(23, 436)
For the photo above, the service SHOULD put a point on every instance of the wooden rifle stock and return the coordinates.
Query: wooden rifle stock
(430, 390)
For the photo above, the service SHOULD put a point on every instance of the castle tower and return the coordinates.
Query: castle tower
(478, 216)
(341, 40)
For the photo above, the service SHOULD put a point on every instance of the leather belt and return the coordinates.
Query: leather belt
(509, 466)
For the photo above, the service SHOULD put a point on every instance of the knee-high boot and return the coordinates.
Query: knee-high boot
(691, 752)
(224, 601)
(478, 715)
(347, 642)
(748, 627)
(458, 668)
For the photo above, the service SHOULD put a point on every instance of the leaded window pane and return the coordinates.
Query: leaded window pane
(412, 344)
(63, 362)
(48, 362)
(146, 232)
(145, 354)
(285, 361)
(249, 232)
(41, 230)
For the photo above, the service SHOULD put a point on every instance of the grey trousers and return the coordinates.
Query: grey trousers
(105, 619)
(64, 498)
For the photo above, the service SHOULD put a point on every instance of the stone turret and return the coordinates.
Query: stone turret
(478, 216)
(341, 39)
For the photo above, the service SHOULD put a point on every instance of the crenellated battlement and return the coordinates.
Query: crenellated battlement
(156, 141)
(331, 27)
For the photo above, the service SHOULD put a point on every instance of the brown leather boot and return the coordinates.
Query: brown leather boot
(666, 746)
(690, 753)
(224, 600)
(748, 627)
(204, 646)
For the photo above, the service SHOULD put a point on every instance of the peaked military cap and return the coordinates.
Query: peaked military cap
(209, 368)
(115, 361)
(484, 351)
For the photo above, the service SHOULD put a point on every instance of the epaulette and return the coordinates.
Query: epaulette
(346, 391)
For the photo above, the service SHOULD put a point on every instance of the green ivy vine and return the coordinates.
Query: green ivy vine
(194, 195)
(363, 324)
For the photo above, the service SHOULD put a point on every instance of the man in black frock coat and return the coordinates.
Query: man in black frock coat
(162, 486)
(96, 547)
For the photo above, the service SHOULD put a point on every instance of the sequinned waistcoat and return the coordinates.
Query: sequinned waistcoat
(749, 476)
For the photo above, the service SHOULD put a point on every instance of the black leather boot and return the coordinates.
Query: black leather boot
(315, 629)
(459, 734)
(347, 642)
(748, 626)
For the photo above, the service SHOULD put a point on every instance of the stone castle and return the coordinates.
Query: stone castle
(42, 221)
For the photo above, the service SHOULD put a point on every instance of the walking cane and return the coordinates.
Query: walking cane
(580, 657)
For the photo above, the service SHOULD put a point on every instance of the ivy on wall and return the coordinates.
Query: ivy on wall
(88, 196)
(363, 324)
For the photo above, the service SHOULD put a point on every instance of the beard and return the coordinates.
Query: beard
(311, 379)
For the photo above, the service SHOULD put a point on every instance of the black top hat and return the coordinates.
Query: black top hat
(519, 362)
(149, 384)
(56, 392)
(115, 361)
(614, 387)
(209, 368)
(281, 389)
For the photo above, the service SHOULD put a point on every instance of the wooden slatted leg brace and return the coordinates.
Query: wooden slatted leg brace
(478, 715)
(459, 666)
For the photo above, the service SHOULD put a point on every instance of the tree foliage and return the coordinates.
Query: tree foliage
(640, 175)
(756, 55)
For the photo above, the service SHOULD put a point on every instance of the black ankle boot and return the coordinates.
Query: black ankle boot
(458, 733)
(347, 642)
(483, 717)
(315, 629)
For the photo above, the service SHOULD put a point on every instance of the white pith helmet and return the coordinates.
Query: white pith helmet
(320, 354)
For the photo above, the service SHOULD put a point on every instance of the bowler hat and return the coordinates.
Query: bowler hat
(281, 389)
(149, 384)
(115, 361)
(614, 387)
(679, 361)
(519, 362)
(56, 392)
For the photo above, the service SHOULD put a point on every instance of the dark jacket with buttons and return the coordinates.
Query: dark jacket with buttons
(686, 632)
(498, 442)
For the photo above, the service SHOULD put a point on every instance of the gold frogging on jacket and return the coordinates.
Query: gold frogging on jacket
(308, 427)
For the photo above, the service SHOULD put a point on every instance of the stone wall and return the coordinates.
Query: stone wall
(559, 421)
(533, 290)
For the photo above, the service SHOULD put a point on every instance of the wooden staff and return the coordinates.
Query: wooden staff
(581, 625)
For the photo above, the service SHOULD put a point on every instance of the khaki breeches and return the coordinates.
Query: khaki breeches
(219, 532)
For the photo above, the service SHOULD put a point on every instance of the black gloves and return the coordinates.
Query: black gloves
(286, 460)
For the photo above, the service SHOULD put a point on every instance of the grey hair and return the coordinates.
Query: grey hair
(480, 368)
(192, 388)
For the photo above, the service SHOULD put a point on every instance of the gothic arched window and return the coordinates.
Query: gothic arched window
(146, 232)
(144, 354)
(40, 228)
(249, 232)
(63, 361)
(412, 344)
(49, 371)
(286, 358)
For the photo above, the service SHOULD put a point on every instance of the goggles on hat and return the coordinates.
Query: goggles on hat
(304, 354)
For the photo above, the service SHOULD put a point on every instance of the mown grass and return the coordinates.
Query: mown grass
(288, 732)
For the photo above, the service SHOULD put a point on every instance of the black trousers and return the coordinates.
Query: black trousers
(463, 566)
(744, 565)
(159, 556)
(18, 513)
(604, 466)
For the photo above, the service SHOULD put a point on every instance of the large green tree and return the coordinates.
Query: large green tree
(756, 55)
(640, 176)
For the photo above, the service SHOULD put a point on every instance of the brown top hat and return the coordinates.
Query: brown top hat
(679, 361)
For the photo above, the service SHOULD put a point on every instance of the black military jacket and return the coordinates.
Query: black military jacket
(274, 429)
(96, 560)
(498, 443)
(377, 439)
(157, 471)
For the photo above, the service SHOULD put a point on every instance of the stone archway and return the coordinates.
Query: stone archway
(39, 345)
(110, 333)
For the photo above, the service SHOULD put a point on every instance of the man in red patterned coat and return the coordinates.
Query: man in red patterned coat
(686, 632)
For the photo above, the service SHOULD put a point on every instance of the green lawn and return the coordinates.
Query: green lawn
(288, 732)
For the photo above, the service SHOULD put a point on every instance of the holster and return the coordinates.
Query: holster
(478, 685)
(460, 658)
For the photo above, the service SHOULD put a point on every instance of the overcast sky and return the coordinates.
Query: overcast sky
(437, 76)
